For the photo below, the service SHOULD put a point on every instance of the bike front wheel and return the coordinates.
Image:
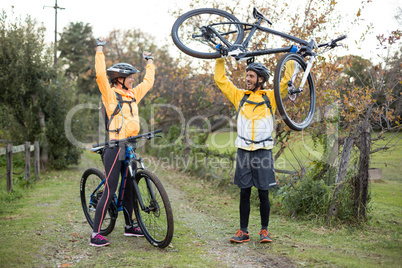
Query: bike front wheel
(192, 36)
(154, 215)
(296, 105)
(91, 190)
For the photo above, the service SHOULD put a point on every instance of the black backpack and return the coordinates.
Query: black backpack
(116, 111)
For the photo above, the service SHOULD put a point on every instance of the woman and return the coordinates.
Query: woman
(120, 100)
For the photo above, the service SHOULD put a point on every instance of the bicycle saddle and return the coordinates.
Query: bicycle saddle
(98, 150)
(258, 15)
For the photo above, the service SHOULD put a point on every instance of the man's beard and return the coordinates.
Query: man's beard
(254, 86)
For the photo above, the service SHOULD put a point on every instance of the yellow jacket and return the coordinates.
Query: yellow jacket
(130, 120)
(253, 123)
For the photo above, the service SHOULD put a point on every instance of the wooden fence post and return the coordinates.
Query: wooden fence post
(27, 160)
(9, 153)
(36, 159)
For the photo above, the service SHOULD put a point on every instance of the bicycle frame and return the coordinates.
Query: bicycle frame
(306, 46)
(118, 200)
(254, 27)
(130, 157)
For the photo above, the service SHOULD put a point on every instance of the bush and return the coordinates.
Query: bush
(307, 198)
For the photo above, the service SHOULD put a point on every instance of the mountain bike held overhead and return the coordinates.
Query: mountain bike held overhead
(209, 33)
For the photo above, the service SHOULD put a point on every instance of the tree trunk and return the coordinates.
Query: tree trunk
(341, 176)
(43, 142)
(362, 187)
(44, 156)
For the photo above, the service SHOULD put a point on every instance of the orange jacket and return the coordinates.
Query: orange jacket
(129, 121)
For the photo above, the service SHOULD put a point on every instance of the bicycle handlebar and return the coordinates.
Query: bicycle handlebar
(333, 42)
(339, 38)
(148, 135)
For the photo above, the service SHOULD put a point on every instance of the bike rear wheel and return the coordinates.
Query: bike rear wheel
(190, 35)
(296, 107)
(156, 219)
(91, 190)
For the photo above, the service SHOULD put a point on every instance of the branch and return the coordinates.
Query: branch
(379, 149)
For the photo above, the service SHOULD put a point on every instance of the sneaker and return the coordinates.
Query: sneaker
(265, 236)
(133, 231)
(99, 241)
(240, 237)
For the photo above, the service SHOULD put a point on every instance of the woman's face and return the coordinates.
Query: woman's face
(129, 81)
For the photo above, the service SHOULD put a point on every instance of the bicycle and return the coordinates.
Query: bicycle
(209, 33)
(151, 203)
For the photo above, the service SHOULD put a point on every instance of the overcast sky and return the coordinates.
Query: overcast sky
(152, 16)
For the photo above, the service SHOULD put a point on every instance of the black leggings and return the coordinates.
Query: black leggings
(245, 207)
(113, 161)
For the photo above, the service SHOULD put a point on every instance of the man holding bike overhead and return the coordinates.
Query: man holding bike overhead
(120, 101)
(255, 124)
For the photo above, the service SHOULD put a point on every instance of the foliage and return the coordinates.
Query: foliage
(35, 97)
(77, 46)
(310, 197)
(307, 197)
(57, 102)
(23, 70)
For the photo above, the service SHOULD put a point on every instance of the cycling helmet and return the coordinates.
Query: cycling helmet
(259, 69)
(120, 70)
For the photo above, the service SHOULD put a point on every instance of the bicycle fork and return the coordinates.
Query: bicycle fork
(292, 91)
(152, 206)
(307, 72)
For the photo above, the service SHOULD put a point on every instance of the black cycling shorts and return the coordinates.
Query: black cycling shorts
(255, 168)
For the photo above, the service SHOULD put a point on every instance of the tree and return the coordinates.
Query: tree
(33, 98)
(76, 48)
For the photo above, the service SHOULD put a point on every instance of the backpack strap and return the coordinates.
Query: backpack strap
(118, 110)
(248, 141)
(120, 100)
(266, 102)
(242, 101)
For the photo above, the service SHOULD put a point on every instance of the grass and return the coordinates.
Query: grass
(44, 226)
(389, 161)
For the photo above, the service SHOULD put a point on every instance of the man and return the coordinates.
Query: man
(255, 124)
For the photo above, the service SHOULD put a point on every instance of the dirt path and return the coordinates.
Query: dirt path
(206, 211)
